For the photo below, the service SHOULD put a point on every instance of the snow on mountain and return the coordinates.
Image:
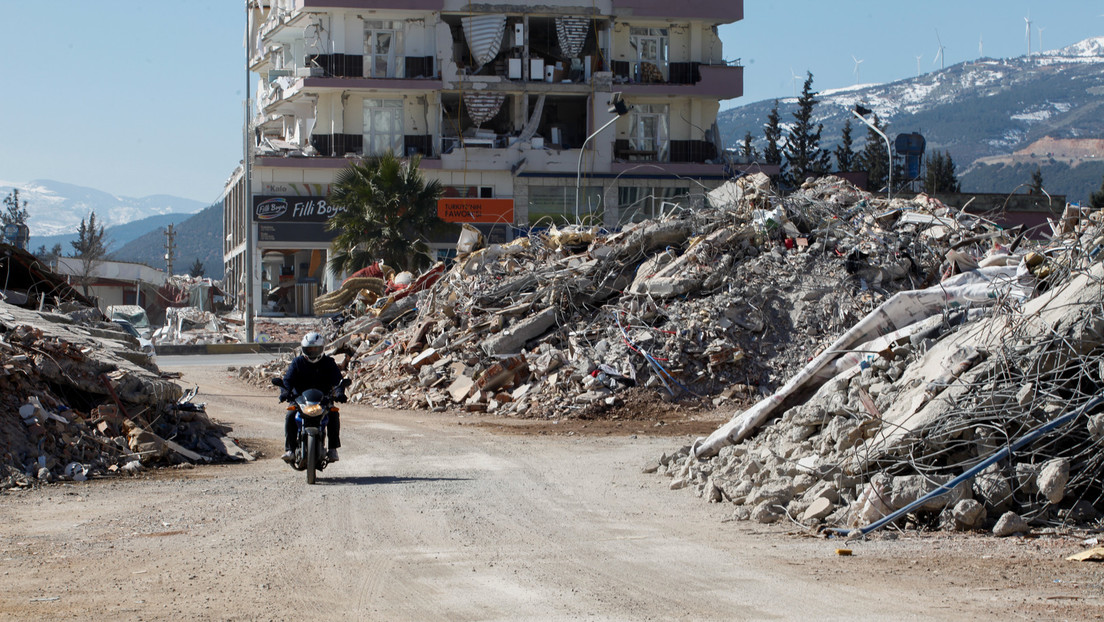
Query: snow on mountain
(973, 109)
(55, 208)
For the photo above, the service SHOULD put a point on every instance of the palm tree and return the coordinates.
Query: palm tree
(387, 208)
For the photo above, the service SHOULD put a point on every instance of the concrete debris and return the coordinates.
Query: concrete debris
(78, 400)
(1000, 353)
(740, 294)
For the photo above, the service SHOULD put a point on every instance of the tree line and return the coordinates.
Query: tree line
(797, 151)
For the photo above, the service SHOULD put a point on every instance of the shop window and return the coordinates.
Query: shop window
(549, 205)
(640, 203)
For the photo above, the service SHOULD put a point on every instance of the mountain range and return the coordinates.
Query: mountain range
(999, 119)
(133, 227)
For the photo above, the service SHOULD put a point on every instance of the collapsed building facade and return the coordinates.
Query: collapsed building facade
(508, 106)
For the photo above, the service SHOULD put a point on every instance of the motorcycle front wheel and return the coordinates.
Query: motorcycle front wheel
(312, 457)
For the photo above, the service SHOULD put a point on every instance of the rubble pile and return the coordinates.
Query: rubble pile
(720, 303)
(980, 410)
(78, 399)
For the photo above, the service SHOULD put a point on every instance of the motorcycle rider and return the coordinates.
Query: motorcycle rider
(312, 370)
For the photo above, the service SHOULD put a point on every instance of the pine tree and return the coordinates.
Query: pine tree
(940, 176)
(772, 131)
(804, 157)
(1037, 182)
(14, 213)
(48, 257)
(90, 249)
(747, 150)
(873, 158)
(196, 269)
(845, 151)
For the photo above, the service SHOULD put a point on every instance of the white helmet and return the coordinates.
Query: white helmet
(313, 344)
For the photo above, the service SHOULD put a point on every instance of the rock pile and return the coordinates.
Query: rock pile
(78, 399)
(984, 413)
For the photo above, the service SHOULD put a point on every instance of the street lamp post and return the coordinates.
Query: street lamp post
(616, 105)
(247, 182)
(860, 111)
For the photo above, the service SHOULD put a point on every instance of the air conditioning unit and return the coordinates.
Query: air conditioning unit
(309, 72)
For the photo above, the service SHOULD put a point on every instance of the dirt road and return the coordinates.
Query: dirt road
(428, 516)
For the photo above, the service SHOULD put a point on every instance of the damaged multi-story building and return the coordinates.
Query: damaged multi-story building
(529, 115)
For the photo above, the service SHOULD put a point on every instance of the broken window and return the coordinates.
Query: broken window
(549, 205)
(648, 134)
(383, 55)
(650, 48)
(484, 129)
(383, 126)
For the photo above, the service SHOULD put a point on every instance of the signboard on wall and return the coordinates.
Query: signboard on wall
(296, 189)
(292, 209)
(476, 210)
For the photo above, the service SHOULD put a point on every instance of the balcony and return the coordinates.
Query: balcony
(693, 79)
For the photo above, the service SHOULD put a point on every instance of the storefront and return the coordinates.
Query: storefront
(293, 242)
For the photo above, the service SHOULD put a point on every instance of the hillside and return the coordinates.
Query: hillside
(973, 110)
(116, 236)
(200, 236)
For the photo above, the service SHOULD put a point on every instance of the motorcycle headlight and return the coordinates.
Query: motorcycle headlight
(311, 410)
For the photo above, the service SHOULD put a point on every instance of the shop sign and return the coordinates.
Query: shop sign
(475, 210)
(292, 209)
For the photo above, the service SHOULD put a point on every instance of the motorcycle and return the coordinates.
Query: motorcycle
(312, 409)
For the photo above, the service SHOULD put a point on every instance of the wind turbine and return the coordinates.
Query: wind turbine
(1040, 29)
(793, 81)
(981, 47)
(1028, 21)
(918, 65)
(939, 53)
(858, 61)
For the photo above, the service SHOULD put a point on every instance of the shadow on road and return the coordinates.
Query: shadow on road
(385, 479)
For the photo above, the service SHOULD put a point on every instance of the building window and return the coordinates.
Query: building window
(383, 55)
(648, 135)
(555, 205)
(383, 126)
(640, 203)
(650, 47)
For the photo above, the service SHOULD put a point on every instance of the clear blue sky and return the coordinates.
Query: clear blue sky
(142, 97)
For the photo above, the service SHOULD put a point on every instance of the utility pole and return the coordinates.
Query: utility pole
(170, 249)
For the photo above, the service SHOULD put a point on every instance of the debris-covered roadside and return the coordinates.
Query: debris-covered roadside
(967, 409)
(717, 305)
(872, 351)
(79, 400)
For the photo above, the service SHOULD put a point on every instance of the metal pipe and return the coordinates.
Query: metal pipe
(1005, 452)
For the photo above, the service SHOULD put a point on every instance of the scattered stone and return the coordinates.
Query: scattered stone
(1010, 524)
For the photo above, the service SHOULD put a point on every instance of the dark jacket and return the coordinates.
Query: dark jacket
(303, 374)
